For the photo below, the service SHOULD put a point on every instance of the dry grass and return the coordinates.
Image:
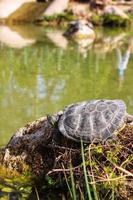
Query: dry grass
(98, 172)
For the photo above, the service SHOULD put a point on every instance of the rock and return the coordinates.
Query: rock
(80, 29)
(113, 10)
(27, 12)
(56, 7)
(114, 16)
(9, 6)
(80, 9)
(32, 148)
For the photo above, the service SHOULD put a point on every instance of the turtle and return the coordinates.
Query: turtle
(80, 29)
(93, 120)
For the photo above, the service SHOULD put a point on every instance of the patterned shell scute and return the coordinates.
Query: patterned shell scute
(92, 120)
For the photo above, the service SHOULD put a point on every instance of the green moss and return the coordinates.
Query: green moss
(50, 181)
(66, 16)
(11, 181)
(114, 20)
(57, 19)
(96, 19)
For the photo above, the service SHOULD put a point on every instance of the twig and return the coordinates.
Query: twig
(123, 170)
(110, 179)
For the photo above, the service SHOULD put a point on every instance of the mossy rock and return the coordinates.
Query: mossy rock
(96, 19)
(27, 13)
(66, 16)
(57, 19)
(115, 20)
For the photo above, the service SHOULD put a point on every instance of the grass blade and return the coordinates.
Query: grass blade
(73, 183)
(70, 192)
(85, 173)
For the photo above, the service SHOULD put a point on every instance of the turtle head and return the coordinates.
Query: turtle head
(53, 119)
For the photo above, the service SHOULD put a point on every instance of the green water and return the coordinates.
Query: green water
(40, 74)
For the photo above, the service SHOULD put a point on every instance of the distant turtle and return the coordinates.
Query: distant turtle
(94, 120)
(80, 29)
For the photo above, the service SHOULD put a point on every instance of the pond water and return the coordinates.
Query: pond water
(41, 72)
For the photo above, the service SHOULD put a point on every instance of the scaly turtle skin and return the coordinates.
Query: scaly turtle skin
(94, 120)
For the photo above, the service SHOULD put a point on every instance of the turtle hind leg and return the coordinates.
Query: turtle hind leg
(129, 118)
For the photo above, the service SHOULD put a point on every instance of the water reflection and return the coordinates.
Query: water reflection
(57, 38)
(84, 45)
(123, 60)
(46, 72)
(122, 64)
(13, 39)
(106, 43)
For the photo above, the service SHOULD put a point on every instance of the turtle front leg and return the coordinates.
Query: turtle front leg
(53, 119)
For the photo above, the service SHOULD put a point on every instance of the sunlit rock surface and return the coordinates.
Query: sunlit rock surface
(115, 11)
(56, 7)
(9, 6)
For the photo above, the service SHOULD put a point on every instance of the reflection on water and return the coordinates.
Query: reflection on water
(122, 64)
(57, 38)
(13, 39)
(123, 60)
(41, 72)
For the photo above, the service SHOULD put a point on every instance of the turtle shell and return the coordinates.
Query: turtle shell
(92, 120)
